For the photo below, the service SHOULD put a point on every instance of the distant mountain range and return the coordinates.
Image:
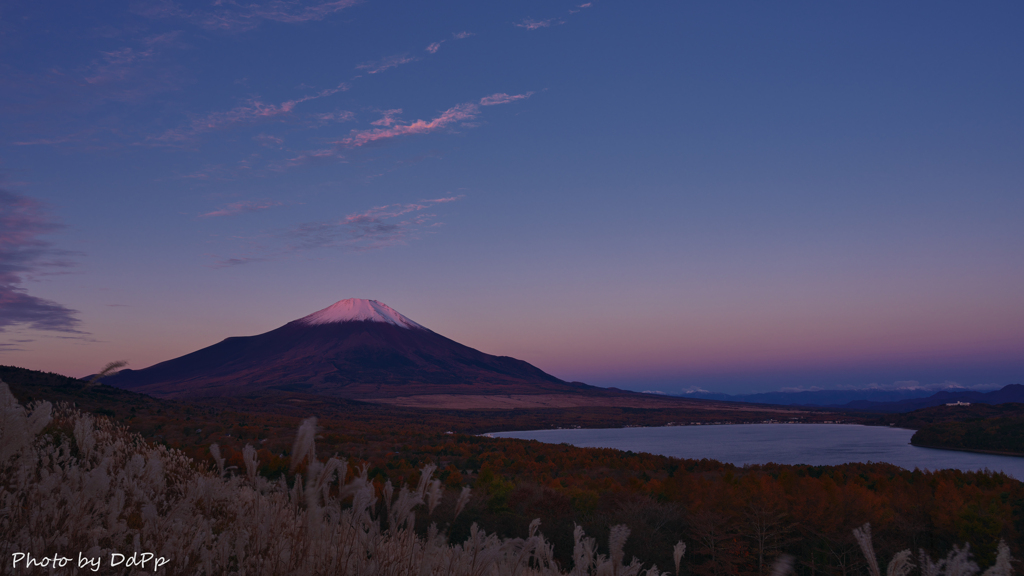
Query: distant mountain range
(873, 400)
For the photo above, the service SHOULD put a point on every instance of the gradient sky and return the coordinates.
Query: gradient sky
(733, 196)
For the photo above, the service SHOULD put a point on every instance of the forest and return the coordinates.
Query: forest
(732, 520)
(994, 435)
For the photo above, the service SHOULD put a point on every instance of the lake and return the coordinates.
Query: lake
(815, 444)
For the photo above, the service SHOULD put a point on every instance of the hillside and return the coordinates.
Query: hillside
(991, 435)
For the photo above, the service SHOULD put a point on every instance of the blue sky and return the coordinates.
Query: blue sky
(728, 196)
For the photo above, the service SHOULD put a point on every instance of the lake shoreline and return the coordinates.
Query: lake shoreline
(750, 444)
(974, 450)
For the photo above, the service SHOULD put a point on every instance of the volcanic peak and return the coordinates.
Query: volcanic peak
(359, 310)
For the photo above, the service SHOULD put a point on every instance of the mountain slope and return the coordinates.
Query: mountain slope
(353, 349)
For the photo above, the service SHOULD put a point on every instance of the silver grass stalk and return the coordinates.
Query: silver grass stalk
(901, 564)
(616, 541)
(251, 462)
(1003, 565)
(677, 554)
(863, 536)
(783, 565)
(460, 504)
(215, 452)
(18, 429)
(305, 443)
(109, 370)
(930, 567)
(959, 563)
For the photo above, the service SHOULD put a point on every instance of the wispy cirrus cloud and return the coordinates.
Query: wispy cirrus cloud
(389, 126)
(268, 140)
(252, 111)
(387, 117)
(117, 64)
(502, 98)
(453, 115)
(242, 207)
(378, 66)
(326, 118)
(232, 16)
(373, 229)
(23, 254)
(530, 24)
(433, 47)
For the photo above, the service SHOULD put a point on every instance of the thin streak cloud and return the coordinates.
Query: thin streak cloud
(453, 115)
(378, 66)
(243, 207)
(502, 98)
(530, 24)
(254, 110)
(377, 228)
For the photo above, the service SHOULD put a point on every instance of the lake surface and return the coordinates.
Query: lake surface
(815, 444)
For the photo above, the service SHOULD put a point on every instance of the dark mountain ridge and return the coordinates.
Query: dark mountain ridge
(816, 397)
(1006, 394)
(872, 400)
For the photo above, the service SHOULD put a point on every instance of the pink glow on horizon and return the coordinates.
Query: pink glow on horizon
(587, 343)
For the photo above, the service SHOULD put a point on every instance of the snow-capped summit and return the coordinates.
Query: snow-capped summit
(358, 309)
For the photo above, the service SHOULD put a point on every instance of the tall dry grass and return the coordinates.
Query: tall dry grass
(71, 483)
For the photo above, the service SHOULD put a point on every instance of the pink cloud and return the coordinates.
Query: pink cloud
(268, 140)
(307, 157)
(241, 208)
(458, 113)
(462, 35)
(331, 117)
(537, 24)
(434, 47)
(252, 111)
(383, 64)
(388, 117)
(502, 98)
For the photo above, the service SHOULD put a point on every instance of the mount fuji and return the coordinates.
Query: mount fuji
(356, 349)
